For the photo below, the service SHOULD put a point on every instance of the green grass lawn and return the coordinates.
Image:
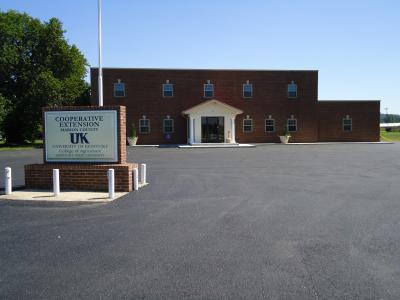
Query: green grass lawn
(35, 144)
(393, 136)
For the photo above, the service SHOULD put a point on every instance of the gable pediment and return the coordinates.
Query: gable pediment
(214, 105)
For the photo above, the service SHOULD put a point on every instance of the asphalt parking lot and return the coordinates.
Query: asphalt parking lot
(271, 222)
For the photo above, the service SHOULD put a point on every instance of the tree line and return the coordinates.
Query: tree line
(37, 68)
(390, 118)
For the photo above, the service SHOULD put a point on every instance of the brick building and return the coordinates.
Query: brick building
(171, 106)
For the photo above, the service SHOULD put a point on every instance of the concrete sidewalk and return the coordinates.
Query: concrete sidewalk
(65, 196)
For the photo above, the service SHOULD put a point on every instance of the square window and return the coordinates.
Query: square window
(168, 90)
(144, 126)
(292, 90)
(247, 125)
(119, 89)
(347, 125)
(292, 125)
(208, 90)
(168, 126)
(269, 125)
(247, 90)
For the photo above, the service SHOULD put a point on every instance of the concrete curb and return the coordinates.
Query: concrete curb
(65, 196)
(216, 146)
(185, 146)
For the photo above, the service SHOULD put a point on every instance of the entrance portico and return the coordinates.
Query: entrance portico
(211, 122)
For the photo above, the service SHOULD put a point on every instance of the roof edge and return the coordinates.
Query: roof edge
(204, 69)
(204, 103)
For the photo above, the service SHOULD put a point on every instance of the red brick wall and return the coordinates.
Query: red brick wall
(364, 115)
(143, 88)
(89, 177)
(316, 120)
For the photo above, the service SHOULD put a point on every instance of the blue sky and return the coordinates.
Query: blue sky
(354, 44)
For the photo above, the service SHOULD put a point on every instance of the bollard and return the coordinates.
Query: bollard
(142, 174)
(111, 185)
(135, 179)
(8, 181)
(56, 182)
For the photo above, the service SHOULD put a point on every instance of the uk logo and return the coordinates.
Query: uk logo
(78, 137)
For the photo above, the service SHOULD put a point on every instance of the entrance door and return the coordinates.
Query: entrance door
(212, 129)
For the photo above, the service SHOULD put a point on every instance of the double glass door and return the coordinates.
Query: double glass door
(212, 129)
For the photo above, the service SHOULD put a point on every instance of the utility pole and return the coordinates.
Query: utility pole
(100, 75)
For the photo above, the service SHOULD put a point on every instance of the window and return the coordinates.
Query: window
(119, 89)
(347, 124)
(292, 90)
(168, 89)
(269, 125)
(168, 125)
(144, 125)
(208, 90)
(292, 124)
(247, 125)
(247, 90)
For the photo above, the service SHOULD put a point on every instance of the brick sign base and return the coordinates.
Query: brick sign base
(79, 176)
(85, 176)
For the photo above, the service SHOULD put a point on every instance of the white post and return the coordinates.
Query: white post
(233, 130)
(8, 180)
(135, 179)
(111, 183)
(100, 75)
(191, 131)
(143, 174)
(56, 182)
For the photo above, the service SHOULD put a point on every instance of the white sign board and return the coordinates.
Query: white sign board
(81, 136)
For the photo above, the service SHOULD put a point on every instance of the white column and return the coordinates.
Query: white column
(142, 174)
(7, 181)
(233, 130)
(56, 182)
(191, 131)
(194, 130)
(135, 179)
(111, 183)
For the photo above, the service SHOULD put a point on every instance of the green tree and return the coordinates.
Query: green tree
(37, 68)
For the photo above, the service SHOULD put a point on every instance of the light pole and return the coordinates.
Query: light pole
(100, 77)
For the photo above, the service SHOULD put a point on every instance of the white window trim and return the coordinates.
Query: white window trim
(173, 126)
(204, 90)
(265, 125)
(116, 90)
(287, 124)
(351, 124)
(140, 127)
(252, 126)
(163, 85)
(250, 84)
(292, 97)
